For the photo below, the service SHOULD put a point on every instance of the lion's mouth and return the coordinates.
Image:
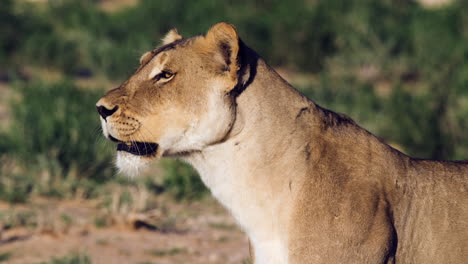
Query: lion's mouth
(136, 148)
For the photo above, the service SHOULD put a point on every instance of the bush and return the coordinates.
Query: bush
(75, 258)
(54, 134)
(182, 181)
(16, 188)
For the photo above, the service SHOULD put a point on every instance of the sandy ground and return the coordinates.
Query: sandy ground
(200, 232)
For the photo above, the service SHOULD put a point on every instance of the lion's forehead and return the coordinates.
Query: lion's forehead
(157, 65)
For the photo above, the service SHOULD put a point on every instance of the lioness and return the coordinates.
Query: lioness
(306, 184)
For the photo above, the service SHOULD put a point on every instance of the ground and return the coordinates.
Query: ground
(194, 232)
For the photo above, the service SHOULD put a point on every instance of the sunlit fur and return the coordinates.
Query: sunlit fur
(129, 164)
(171, 36)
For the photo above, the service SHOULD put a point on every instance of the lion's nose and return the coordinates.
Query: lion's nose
(104, 112)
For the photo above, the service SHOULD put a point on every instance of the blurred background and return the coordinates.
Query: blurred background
(397, 67)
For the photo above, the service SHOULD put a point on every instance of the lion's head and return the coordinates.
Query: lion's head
(178, 100)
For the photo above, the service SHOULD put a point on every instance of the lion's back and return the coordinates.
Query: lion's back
(432, 222)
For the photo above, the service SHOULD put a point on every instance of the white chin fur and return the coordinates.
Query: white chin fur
(129, 164)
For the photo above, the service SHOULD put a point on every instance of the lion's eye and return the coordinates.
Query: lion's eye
(164, 75)
(167, 75)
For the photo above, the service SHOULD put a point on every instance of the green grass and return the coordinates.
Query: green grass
(16, 188)
(182, 180)
(4, 256)
(101, 221)
(102, 242)
(166, 252)
(54, 139)
(24, 218)
(246, 261)
(223, 239)
(73, 258)
(223, 226)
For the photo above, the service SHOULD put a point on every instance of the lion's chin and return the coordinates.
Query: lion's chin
(130, 164)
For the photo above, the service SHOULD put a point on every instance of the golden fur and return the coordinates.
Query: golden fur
(306, 184)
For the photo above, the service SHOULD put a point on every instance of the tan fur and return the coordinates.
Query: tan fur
(306, 184)
(171, 36)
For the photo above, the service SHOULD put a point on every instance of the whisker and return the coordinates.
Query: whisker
(97, 129)
(144, 142)
(132, 141)
(148, 132)
(95, 135)
(145, 132)
(99, 140)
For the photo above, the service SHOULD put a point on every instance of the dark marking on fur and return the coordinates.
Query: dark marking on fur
(301, 111)
(290, 183)
(331, 119)
(226, 51)
(307, 151)
(248, 61)
(156, 51)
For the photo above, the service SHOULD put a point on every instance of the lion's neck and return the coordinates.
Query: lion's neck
(243, 173)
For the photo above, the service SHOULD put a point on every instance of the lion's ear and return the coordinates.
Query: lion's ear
(145, 57)
(171, 36)
(224, 40)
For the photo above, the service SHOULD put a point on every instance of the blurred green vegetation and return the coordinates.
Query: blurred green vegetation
(53, 136)
(4, 256)
(73, 258)
(398, 69)
(182, 181)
